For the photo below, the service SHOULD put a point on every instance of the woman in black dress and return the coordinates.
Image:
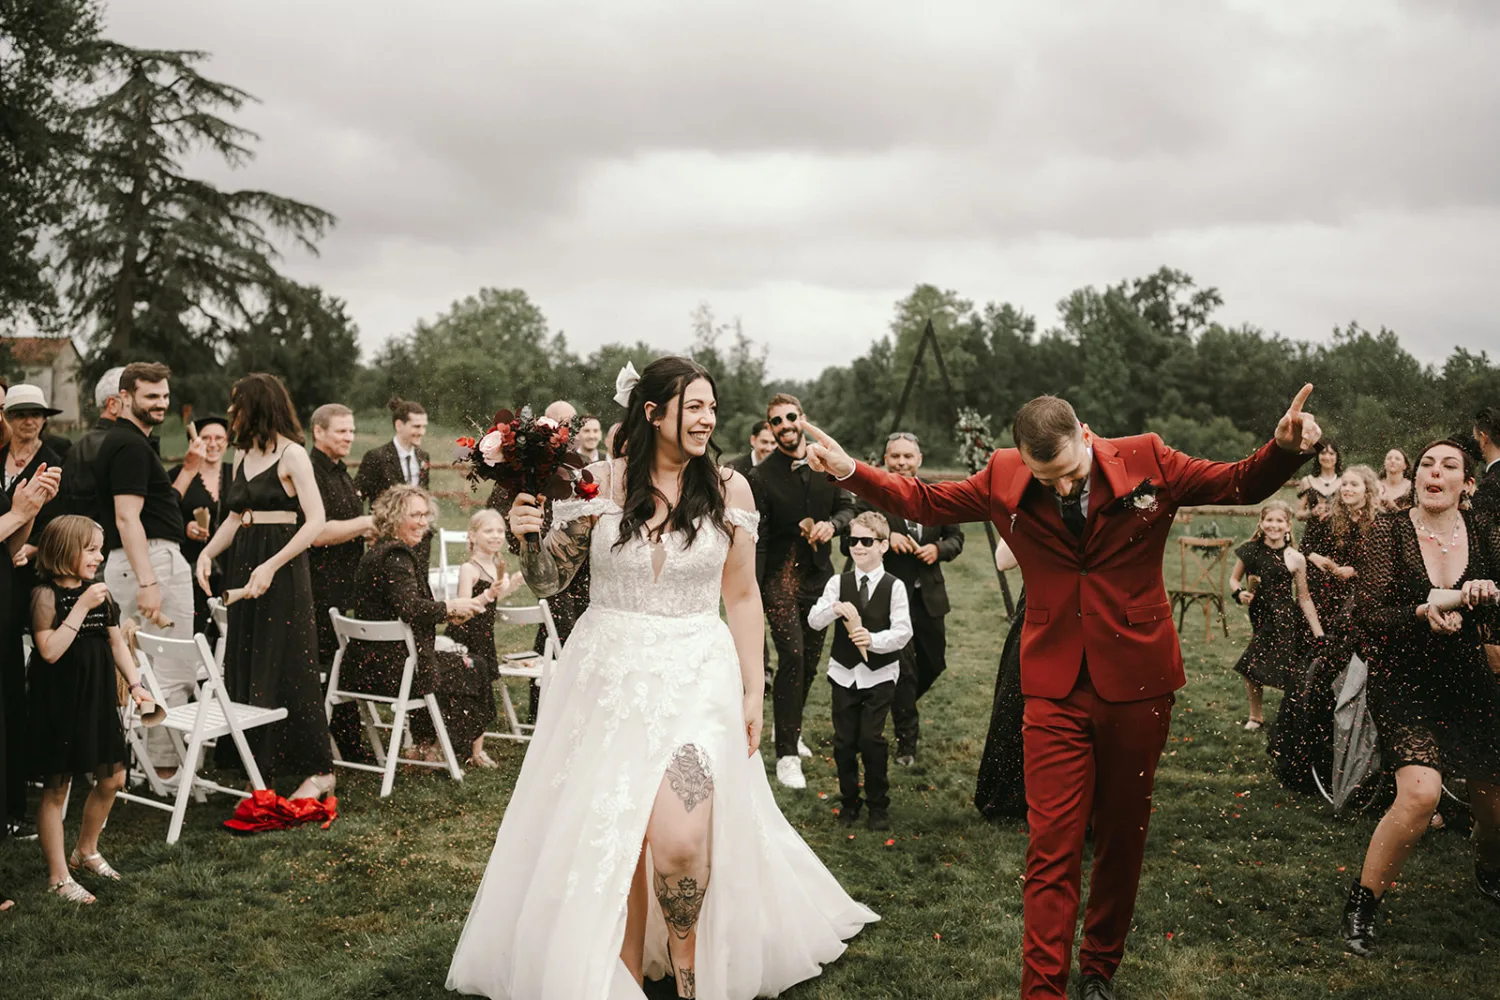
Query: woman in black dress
(202, 484)
(1000, 790)
(272, 655)
(1282, 616)
(1331, 544)
(1432, 695)
(1316, 491)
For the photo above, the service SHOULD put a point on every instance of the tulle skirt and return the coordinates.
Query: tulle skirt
(548, 921)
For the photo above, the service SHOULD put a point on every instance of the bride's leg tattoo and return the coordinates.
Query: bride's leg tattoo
(689, 777)
(681, 900)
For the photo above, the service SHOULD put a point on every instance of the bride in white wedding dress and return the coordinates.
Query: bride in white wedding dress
(642, 838)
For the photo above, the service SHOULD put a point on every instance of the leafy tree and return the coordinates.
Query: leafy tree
(1216, 438)
(160, 264)
(46, 49)
(304, 336)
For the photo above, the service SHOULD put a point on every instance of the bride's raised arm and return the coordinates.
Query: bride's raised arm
(551, 566)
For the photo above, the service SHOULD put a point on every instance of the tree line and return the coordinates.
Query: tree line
(105, 235)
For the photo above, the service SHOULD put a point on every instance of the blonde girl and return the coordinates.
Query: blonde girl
(1279, 633)
(71, 698)
(483, 577)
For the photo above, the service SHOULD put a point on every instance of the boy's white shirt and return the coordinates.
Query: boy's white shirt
(889, 640)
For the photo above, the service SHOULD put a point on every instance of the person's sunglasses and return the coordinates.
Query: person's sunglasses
(790, 418)
(861, 541)
(902, 436)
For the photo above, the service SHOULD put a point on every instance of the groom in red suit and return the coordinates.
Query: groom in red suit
(1088, 519)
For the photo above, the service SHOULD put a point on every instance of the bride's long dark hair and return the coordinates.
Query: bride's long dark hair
(702, 497)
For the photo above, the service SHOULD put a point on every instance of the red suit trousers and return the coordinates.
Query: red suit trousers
(1086, 760)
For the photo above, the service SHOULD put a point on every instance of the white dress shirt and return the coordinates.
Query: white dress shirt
(891, 640)
(411, 469)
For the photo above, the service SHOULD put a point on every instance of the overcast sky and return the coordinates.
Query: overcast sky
(803, 165)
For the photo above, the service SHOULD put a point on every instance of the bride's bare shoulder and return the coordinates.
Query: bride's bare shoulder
(737, 492)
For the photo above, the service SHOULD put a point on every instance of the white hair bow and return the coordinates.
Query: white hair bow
(624, 382)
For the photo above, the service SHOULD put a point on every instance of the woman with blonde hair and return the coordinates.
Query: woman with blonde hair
(483, 577)
(1332, 544)
(1281, 609)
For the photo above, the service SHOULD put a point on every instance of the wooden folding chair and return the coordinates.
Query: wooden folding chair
(212, 716)
(1204, 570)
(535, 667)
(386, 757)
(443, 581)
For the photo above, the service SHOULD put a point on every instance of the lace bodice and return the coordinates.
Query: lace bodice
(624, 578)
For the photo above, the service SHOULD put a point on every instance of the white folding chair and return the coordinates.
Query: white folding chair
(444, 579)
(386, 757)
(212, 716)
(529, 664)
(220, 614)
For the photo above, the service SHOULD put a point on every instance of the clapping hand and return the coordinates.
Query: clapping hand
(33, 493)
(1298, 431)
(824, 453)
(461, 609)
(502, 588)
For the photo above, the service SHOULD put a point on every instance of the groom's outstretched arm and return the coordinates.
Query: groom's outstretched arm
(927, 503)
(1250, 480)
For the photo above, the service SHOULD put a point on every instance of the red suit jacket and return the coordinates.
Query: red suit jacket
(1100, 596)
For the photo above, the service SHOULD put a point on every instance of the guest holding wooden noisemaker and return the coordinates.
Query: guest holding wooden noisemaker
(202, 484)
(271, 659)
(391, 585)
(74, 722)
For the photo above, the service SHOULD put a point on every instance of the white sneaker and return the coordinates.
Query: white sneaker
(802, 750)
(789, 772)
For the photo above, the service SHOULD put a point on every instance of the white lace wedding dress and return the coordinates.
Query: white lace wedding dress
(650, 667)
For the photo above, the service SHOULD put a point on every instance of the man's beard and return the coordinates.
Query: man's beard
(790, 449)
(146, 416)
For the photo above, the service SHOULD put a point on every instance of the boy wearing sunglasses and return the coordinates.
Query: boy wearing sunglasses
(864, 665)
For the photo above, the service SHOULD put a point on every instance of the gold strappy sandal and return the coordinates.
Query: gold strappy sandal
(94, 864)
(72, 892)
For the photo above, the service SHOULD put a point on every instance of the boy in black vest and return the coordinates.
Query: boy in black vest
(863, 665)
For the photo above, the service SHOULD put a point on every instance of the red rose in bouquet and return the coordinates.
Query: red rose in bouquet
(525, 454)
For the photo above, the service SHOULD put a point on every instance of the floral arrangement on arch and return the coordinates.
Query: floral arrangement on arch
(974, 436)
(523, 453)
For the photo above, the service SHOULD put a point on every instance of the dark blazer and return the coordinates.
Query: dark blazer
(742, 465)
(390, 587)
(921, 580)
(380, 469)
(784, 496)
(1486, 498)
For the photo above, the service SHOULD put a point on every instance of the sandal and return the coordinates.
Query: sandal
(94, 864)
(72, 892)
(1254, 724)
(484, 760)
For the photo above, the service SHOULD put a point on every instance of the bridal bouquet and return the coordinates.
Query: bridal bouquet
(524, 453)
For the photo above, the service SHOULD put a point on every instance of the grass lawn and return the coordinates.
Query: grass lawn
(1240, 897)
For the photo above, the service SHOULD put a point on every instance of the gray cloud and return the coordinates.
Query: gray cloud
(805, 167)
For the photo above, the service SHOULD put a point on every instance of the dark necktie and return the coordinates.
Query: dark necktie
(408, 462)
(1072, 513)
(864, 592)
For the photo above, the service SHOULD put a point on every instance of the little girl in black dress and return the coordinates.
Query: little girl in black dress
(483, 576)
(1281, 609)
(71, 704)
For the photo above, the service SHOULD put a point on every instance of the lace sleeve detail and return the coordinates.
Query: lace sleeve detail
(748, 520)
(565, 512)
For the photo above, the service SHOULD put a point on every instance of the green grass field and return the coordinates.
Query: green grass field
(1240, 898)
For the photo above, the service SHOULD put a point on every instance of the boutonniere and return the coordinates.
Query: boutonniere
(1142, 499)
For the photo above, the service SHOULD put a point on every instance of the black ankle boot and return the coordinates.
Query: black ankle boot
(1359, 920)
(1487, 881)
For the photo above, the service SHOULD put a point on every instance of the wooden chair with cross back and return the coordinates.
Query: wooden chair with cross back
(1204, 574)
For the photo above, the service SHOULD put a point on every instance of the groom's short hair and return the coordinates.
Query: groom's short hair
(1043, 425)
(784, 399)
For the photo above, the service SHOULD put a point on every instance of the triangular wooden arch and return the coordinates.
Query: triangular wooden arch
(929, 336)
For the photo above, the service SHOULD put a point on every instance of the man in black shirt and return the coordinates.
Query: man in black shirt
(146, 572)
(80, 493)
(335, 555)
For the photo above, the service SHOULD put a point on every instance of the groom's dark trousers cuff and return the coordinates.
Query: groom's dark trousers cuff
(1086, 759)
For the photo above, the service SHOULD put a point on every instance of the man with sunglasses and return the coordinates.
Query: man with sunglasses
(917, 552)
(800, 513)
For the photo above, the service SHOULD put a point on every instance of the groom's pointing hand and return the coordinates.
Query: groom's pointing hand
(824, 453)
(1299, 431)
